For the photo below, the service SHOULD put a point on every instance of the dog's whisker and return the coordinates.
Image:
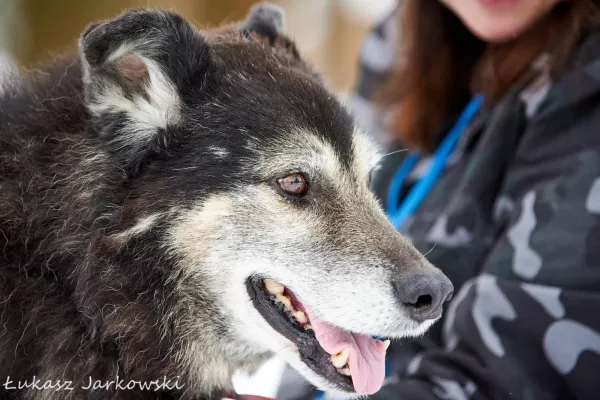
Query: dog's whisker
(287, 346)
(425, 255)
(392, 153)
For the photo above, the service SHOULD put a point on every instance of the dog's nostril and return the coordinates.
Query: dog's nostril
(422, 301)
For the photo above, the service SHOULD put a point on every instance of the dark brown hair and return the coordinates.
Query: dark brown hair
(442, 63)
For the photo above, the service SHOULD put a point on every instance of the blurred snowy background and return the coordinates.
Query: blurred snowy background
(328, 32)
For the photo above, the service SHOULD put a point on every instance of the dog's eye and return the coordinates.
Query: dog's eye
(294, 184)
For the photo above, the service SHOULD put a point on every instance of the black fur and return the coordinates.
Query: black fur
(72, 302)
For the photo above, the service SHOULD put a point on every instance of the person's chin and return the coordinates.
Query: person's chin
(495, 33)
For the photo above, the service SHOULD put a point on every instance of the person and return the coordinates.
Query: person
(489, 111)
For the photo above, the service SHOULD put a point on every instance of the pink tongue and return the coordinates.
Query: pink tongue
(367, 355)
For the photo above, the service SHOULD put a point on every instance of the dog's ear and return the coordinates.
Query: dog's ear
(266, 20)
(135, 69)
(266, 23)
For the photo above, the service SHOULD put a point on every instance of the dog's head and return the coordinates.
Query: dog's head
(265, 180)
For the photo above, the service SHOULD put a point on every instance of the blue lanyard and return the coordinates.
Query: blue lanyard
(399, 213)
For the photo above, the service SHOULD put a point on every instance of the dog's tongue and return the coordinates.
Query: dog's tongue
(367, 355)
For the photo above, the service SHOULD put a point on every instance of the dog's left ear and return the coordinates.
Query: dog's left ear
(266, 23)
(135, 69)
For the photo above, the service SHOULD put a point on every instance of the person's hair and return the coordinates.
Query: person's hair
(442, 64)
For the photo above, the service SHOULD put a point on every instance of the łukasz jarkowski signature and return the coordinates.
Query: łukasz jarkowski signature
(90, 383)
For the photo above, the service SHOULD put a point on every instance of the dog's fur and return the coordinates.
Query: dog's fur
(137, 197)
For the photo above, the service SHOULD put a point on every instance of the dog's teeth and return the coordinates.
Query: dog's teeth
(340, 359)
(345, 371)
(285, 301)
(308, 327)
(300, 317)
(387, 344)
(273, 287)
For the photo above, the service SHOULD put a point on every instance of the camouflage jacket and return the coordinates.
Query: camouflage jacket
(515, 221)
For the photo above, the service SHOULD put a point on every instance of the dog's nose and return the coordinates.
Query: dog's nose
(423, 294)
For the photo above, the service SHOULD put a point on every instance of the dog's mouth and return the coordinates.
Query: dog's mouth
(351, 361)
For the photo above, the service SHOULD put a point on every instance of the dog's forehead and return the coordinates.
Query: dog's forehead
(361, 153)
(304, 148)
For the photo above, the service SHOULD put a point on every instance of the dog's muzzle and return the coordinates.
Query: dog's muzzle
(353, 362)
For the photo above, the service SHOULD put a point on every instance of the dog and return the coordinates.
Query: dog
(177, 205)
